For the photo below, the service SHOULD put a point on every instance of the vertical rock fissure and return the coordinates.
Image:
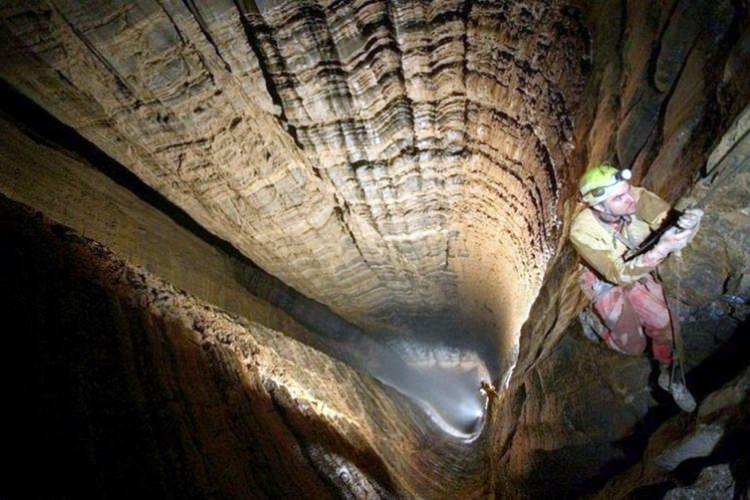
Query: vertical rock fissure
(191, 7)
(270, 85)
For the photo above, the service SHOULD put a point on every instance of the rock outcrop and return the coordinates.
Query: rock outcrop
(575, 414)
(386, 159)
(695, 456)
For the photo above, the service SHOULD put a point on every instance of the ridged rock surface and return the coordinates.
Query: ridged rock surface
(99, 201)
(160, 394)
(387, 159)
(668, 96)
(72, 192)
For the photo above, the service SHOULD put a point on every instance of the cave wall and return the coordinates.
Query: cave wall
(71, 191)
(695, 456)
(51, 169)
(668, 97)
(48, 166)
(392, 156)
(382, 158)
(118, 384)
(710, 284)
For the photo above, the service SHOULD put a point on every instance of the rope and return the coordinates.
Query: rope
(674, 319)
(720, 175)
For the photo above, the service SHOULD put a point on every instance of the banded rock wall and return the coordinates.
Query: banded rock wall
(387, 157)
(121, 385)
(380, 157)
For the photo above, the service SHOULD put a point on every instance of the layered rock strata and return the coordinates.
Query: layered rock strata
(122, 385)
(107, 205)
(402, 160)
(71, 191)
(383, 158)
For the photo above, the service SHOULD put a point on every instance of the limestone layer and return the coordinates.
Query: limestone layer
(385, 158)
(70, 191)
(122, 385)
(403, 158)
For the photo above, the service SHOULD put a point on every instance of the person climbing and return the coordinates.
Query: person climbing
(627, 300)
(488, 389)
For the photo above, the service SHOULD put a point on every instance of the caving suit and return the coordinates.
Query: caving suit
(626, 296)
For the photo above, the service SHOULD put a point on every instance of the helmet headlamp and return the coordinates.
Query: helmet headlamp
(597, 183)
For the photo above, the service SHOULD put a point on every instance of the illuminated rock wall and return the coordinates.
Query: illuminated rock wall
(390, 159)
(121, 385)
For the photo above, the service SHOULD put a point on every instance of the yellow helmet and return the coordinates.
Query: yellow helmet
(597, 183)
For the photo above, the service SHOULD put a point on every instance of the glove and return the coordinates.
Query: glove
(690, 218)
(674, 239)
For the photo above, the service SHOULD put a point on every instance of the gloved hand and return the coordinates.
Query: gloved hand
(674, 239)
(690, 218)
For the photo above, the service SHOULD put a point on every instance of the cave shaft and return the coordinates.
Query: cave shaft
(271, 187)
(396, 161)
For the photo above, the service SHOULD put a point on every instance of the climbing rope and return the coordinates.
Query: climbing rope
(674, 308)
(721, 175)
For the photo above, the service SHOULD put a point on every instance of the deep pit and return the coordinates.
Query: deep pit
(271, 248)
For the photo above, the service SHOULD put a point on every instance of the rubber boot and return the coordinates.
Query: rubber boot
(672, 382)
(682, 397)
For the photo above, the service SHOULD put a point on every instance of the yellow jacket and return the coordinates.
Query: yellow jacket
(604, 251)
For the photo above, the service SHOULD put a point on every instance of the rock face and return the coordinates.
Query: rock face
(72, 191)
(411, 165)
(711, 283)
(75, 193)
(387, 159)
(575, 414)
(695, 456)
(125, 386)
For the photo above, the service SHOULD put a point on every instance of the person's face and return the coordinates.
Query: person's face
(621, 202)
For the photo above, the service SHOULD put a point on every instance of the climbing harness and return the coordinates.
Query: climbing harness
(677, 371)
